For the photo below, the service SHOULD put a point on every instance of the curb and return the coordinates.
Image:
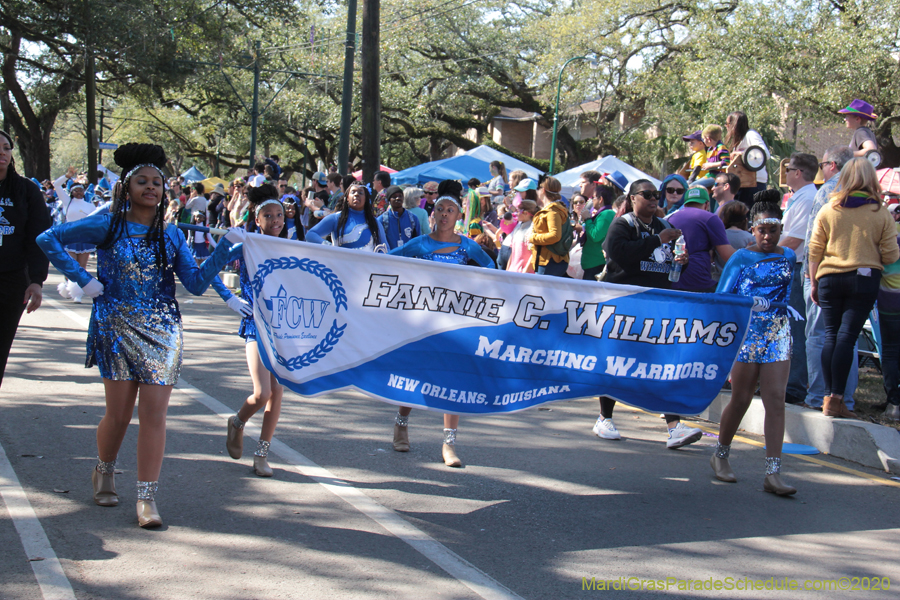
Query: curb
(871, 445)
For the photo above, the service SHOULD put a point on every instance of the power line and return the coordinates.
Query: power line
(439, 63)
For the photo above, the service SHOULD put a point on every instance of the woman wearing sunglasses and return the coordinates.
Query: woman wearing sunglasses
(639, 252)
(671, 193)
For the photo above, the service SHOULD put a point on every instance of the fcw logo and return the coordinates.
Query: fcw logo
(294, 312)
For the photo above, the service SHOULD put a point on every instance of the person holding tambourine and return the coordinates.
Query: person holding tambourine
(749, 155)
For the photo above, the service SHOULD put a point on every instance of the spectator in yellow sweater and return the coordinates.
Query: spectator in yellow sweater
(854, 236)
(550, 248)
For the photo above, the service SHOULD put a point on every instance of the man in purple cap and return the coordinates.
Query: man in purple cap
(857, 115)
(698, 158)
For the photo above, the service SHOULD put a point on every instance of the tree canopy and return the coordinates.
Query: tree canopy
(658, 69)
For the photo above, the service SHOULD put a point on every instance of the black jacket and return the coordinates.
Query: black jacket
(635, 257)
(23, 216)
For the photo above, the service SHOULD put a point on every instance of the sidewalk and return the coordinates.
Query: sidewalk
(868, 444)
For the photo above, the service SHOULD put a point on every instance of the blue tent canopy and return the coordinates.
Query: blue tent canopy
(490, 154)
(461, 167)
(192, 175)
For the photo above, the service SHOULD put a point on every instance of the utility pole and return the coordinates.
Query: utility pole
(254, 112)
(347, 93)
(100, 134)
(90, 91)
(370, 89)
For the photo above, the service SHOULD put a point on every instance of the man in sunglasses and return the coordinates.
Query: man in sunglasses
(725, 190)
(800, 175)
(832, 162)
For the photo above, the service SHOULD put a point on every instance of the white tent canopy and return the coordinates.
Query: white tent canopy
(607, 164)
(488, 154)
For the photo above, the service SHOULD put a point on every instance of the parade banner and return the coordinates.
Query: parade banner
(468, 340)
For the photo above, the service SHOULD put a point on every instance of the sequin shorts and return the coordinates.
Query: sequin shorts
(136, 343)
(768, 339)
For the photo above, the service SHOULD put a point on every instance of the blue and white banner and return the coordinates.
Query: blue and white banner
(468, 340)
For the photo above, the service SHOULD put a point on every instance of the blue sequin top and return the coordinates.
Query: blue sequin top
(426, 247)
(135, 331)
(756, 274)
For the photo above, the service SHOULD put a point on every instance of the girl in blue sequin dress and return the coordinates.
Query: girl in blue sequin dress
(135, 333)
(763, 270)
(446, 246)
(267, 217)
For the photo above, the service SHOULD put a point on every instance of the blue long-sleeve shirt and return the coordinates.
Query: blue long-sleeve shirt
(356, 233)
(93, 230)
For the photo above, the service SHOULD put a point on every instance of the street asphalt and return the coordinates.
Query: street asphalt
(541, 508)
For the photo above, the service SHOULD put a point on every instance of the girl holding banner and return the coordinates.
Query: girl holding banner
(267, 216)
(446, 246)
(354, 227)
(135, 334)
(764, 270)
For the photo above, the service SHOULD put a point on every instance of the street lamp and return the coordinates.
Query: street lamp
(556, 113)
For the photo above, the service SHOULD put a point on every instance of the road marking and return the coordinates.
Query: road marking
(49, 573)
(465, 572)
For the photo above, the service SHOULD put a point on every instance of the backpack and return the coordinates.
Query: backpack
(566, 240)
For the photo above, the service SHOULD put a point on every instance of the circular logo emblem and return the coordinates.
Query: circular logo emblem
(301, 309)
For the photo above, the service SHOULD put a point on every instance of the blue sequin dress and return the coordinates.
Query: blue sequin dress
(135, 331)
(767, 276)
(426, 247)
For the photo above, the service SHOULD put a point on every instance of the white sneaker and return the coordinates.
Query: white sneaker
(63, 289)
(606, 429)
(682, 435)
(892, 412)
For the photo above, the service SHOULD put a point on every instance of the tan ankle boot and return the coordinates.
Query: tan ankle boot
(234, 440)
(774, 485)
(835, 407)
(401, 438)
(450, 458)
(722, 469)
(261, 466)
(104, 489)
(148, 515)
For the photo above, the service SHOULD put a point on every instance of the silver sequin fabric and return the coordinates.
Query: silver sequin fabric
(449, 436)
(106, 468)
(262, 448)
(146, 490)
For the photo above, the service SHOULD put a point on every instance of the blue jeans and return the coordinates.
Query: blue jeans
(815, 339)
(846, 300)
(553, 268)
(798, 378)
(890, 355)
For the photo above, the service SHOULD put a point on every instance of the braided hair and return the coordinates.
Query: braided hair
(368, 211)
(768, 209)
(129, 156)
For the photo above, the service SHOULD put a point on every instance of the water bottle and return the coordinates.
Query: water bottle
(675, 272)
